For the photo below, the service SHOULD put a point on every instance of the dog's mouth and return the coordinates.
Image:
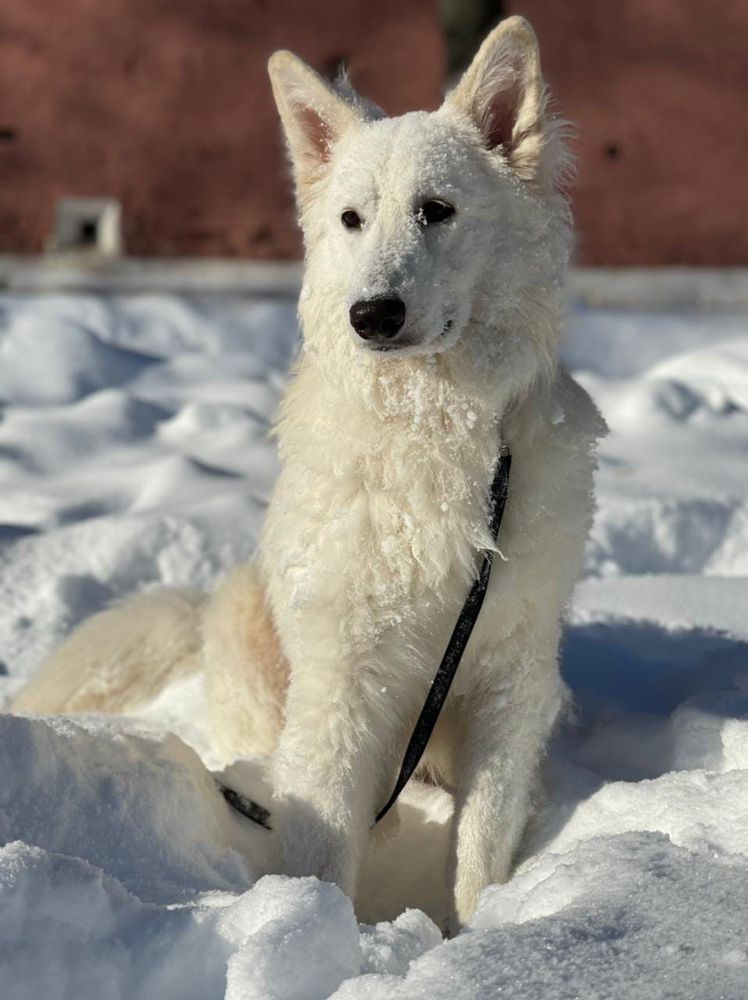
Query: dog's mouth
(398, 346)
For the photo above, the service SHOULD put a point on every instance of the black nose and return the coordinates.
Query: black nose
(377, 319)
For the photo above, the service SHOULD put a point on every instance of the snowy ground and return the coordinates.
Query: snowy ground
(134, 451)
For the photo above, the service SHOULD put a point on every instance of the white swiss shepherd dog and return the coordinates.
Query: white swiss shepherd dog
(435, 250)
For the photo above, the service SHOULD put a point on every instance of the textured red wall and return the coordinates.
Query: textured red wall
(165, 104)
(657, 90)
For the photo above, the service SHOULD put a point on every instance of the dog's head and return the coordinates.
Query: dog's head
(415, 226)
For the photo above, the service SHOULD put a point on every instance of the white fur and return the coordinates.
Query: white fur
(378, 518)
(120, 658)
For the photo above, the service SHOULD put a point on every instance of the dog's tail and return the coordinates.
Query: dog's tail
(121, 658)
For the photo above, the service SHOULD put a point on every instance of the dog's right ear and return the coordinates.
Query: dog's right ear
(314, 117)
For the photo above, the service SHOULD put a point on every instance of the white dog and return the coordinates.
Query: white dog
(435, 249)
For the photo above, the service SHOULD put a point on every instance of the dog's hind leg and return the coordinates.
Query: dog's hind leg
(121, 658)
(245, 668)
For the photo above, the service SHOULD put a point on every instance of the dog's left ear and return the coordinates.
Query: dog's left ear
(502, 92)
(314, 117)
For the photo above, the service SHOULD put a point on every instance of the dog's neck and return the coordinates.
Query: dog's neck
(499, 358)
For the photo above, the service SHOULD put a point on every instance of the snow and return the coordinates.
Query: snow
(605, 920)
(134, 452)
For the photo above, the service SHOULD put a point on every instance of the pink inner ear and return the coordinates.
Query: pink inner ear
(317, 132)
(501, 116)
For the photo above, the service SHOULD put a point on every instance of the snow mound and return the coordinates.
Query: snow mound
(142, 808)
(70, 931)
(123, 858)
(60, 362)
(624, 916)
(299, 942)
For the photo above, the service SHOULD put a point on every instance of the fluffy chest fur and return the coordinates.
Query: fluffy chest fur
(380, 514)
(381, 506)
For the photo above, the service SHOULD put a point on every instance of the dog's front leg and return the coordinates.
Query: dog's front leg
(504, 724)
(329, 769)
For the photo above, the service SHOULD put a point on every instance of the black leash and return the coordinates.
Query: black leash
(456, 646)
(246, 806)
(444, 676)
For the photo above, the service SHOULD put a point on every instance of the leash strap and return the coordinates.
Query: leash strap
(456, 646)
(246, 806)
(444, 675)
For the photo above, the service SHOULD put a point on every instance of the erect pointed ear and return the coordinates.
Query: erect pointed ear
(314, 116)
(502, 92)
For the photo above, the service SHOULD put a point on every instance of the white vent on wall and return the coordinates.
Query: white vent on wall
(88, 224)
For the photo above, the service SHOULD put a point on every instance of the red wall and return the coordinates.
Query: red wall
(657, 90)
(165, 104)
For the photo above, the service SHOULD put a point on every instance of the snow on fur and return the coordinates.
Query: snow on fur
(125, 875)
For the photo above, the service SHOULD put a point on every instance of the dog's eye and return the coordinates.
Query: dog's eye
(434, 211)
(351, 219)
